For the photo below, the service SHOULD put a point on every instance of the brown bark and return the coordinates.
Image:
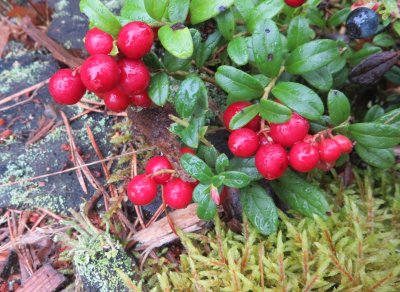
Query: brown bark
(44, 279)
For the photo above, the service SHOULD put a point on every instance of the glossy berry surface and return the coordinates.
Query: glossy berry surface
(142, 190)
(362, 23)
(236, 107)
(329, 150)
(135, 39)
(100, 73)
(142, 99)
(271, 161)
(345, 143)
(116, 100)
(157, 164)
(303, 156)
(291, 131)
(185, 150)
(66, 87)
(135, 76)
(178, 193)
(294, 3)
(243, 142)
(98, 42)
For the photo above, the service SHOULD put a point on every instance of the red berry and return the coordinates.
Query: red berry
(135, 76)
(325, 166)
(142, 190)
(291, 131)
(271, 161)
(187, 150)
(135, 39)
(157, 164)
(116, 100)
(178, 193)
(345, 143)
(66, 87)
(141, 99)
(303, 156)
(236, 107)
(295, 3)
(308, 138)
(243, 142)
(329, 150)
(98, 42)
(100, 73)
(223, 195)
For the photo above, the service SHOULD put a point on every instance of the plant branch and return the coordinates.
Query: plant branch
(185, 124)
(267, 90)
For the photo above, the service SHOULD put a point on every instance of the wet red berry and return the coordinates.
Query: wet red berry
(98, 42)
(142, 190)
(295, 3)
(66, 87)
(329, 150)
(263, 139)
(345, 143)
(135, 76)
(135, 39)
(100, 73)
(187, 150)
(236, 107)
(157, 164)
(243, 142)
(178, 193)
(271, 161)
(303, 156)
(308, 138)
(116, 100)
(291, 131)
(141, 99)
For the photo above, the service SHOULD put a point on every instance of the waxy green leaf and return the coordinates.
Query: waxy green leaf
(190, 91)
(206, 208)
(264, 10)
(206, 48)
(375, 135)
(156, 8)
(338, 106)
(299, 32)
(237, 51)
(274, 112)
(134, 10)
(244, 116)
(226, 23)
(221, 163)
(178, 10)
(196, 168)
(235, 179)
(201, 10)
(159, 88)
(381, 158)
(321, 79)
(177, 40)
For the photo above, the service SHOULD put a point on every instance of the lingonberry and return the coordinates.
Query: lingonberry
(116, 100)
(329, 150)
(66, 87)
(263, 138)
(178, 193)
(346, 146)
(135, 39)
(100, 73)
(187, 150)
(243, 142)
(142, 190)
(303, 156)
(141, 99)
(325, 166)
(291, 131)
(98, 42)
(135, 76)
(271, 161)
(157, 164)
(236, 107)
(362, 23)
(294, 3)
(308, 138)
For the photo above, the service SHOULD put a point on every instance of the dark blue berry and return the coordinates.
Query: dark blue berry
(362, 23)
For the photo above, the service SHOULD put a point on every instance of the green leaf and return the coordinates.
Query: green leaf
(178, 10)
(338, 106)
(151, 60)
(235, 179)
(209, 154)
(373, 113)
(316, 17)
(206, 48)
(173, 64)
(259, 208)
(311, 56)
(267, 48)
(221, 163)
(299, 32)
(206, 207)
(196, 167)
(393, 75)
(134, 10)
(301, 195)
(274, 112)
(336, 65)
(390, 118)
(177, 40)
(375, 135)
(245, 165)
(244, 116)
(217, 181)
(321, 79)
(367, 50)
(226, 24)
(235, 81)
(264, 10)
(190, 136)
(201, 10)
(189, 92)
(299, 98)
(384, 40)
(237, 51)
(156, 8)
(244, 7)
(339, 17)
(100, 16)
(159, 88)
(381, 158)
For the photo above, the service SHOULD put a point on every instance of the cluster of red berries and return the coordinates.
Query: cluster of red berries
(142, 189)
(294, 3)
(271, 143)
(119, 81)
